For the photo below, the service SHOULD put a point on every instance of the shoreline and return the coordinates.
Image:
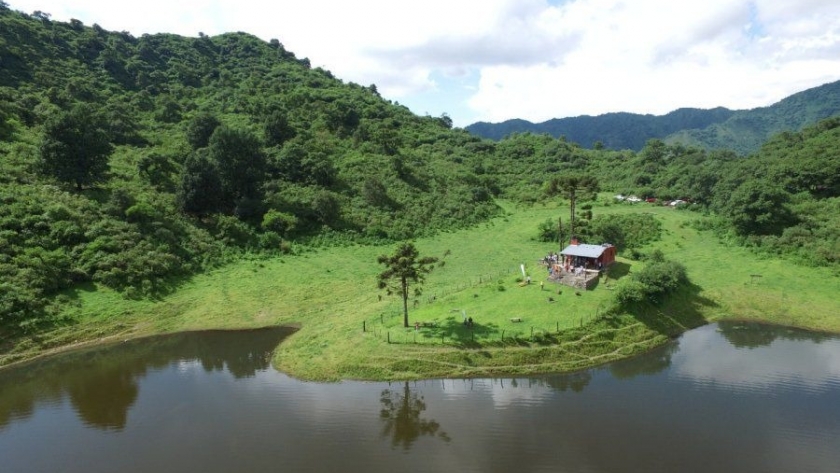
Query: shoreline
(330, 295)
(478, 371)
(116, 339)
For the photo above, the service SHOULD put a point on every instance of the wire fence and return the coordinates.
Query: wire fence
(457, 334)
(453, 333)
(469, 283)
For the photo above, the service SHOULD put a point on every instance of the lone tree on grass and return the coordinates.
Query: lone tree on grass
(404, 268)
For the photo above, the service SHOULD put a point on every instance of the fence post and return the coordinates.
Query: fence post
(363, 326)
(389, 337)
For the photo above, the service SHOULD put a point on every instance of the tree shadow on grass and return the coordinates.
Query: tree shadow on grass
(678, 312)
(618, 270)
(154, 290)
(465, 335)
(453, 331)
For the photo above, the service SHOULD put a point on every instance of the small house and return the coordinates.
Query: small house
(588, 256)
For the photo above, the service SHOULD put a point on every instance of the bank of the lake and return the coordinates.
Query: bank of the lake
(349, 329)
(724, 397)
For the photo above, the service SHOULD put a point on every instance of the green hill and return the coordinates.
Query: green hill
(213, 147)
(612, 130)
(745, 131)
(741, 131)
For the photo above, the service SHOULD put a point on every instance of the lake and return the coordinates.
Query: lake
(722, 398)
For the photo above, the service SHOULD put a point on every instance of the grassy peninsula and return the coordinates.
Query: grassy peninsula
(330, 293)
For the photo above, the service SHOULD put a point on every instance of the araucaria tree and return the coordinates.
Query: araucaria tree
(404, 268)
(75, 147)
(574, 188)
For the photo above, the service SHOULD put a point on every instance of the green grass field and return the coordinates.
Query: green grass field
(349, 329)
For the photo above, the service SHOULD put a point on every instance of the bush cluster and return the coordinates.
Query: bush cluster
(658, 278)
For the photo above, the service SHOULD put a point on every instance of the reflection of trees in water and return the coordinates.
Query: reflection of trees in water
(575, 381)
(748, 335)
(217, 351)
(101, 382)
(754, 335)
(647, 364)
(103, 398)
(401, 414)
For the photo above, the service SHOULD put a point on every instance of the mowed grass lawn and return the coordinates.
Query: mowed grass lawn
(350, 329)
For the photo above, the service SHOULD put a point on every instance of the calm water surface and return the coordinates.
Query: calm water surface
(728, 398)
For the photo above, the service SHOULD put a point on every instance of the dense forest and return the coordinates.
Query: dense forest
(742, 131)
(127, 161)
(782, 200)
(615, 131)
(133, 162)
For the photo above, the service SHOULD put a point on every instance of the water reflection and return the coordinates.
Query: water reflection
(699, 404)
(746, 335)
(102, 398)
(758, 358)
(102, 383)
(401, 411)
(572, 381)
(651, 363)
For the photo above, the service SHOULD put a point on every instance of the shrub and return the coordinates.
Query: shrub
(233, 231)
(658, 278)
(630, 291)
(270, 241)
(662, 277)
(547, 231)
(280, 222)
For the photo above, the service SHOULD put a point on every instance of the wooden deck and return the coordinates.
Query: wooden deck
(584, 280)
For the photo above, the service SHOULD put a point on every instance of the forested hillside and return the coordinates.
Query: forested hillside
(617, 131)
(132, 162)
(127, 161)
(741, 131)
(783, 200)
(745, 131)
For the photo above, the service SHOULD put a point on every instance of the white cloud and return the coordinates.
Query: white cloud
(529, 59)
(504, 393)
(653, 57)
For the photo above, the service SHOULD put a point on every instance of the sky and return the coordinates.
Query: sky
(494, 60)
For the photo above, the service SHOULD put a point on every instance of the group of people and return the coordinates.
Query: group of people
(551, 259)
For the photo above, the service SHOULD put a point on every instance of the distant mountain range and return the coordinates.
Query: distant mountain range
(742, 131)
